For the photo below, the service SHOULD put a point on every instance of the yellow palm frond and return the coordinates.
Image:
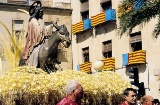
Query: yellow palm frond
(22, 10)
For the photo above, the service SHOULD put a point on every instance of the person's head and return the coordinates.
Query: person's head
(147, 100)
(130, 96)
(156, 101)
(39, 13)
(74, 90)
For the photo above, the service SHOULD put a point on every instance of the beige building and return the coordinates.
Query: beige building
(14, 18)
(95, 37)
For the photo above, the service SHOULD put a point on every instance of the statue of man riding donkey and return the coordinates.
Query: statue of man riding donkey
(40, 51)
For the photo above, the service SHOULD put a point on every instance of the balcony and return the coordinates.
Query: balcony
(137, 57)
(86, 67)
(78, 27)
(125, 59)
(85, 6)
(103, 1)
(87, 24)
(108, 15)
(109, 63)
(98, 19)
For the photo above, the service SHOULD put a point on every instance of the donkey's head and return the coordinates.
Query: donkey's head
(65, 36)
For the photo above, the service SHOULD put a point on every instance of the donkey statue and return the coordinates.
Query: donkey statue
(48, 51)
(47, 55)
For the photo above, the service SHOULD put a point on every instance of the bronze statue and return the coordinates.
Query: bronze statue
(38, 51)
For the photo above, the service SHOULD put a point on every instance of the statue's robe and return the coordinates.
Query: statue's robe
(34, 37)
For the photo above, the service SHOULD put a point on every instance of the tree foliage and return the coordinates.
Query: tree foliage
(133, 17)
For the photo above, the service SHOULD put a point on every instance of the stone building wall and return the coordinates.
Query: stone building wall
(94, 37)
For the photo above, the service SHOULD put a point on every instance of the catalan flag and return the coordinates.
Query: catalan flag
(97, 19)
(85, 67)
(137, 57)
(78, 27)
(109, 63)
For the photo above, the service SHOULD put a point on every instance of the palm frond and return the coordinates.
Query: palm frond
(24, 11)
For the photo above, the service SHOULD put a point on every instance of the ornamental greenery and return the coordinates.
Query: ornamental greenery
(134, 17)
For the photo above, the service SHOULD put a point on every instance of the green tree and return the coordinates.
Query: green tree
(130, 17)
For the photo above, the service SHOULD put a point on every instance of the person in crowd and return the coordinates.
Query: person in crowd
(147, 100)
(130, 96)
(74, 93)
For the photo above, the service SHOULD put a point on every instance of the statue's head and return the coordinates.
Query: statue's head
(39, 14)
(36, 10)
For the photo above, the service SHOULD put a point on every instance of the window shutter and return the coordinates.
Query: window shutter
(135, 38)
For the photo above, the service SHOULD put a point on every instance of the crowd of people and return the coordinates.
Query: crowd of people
(130, 98)
(74, 93)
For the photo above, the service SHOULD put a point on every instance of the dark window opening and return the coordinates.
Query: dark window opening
(107, 54)
(106, 5)
(86, 54)
(107, 49)
(82, 1)
(136, 46)
(85, 15)
(136, 41)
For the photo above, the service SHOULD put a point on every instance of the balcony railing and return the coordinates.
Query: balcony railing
(98, 19)
(87, 24)
(109, 63)
(137, 57)
(86, 67)
(108, 15)
(78, 27)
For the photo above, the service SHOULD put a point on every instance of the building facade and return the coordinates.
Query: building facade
(95, 37)
(18, 21)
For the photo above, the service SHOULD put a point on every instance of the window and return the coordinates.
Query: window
(85, 54)
(82, 1)
(135, 41)
(85, 15)
(84, 9)
(107, 49)
(106, 5)
(17, 27)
